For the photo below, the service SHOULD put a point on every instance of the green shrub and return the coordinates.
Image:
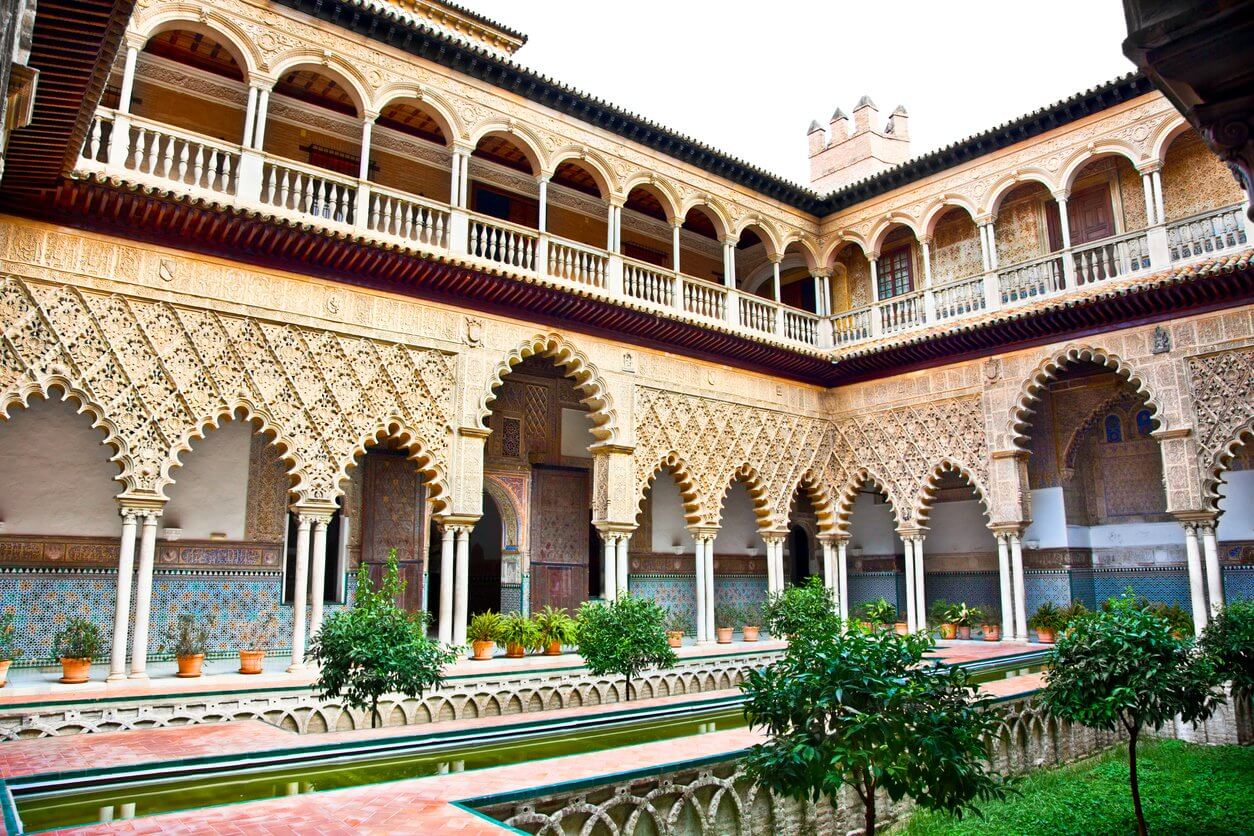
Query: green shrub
(938, 613)
(1047, 617)
(1229, 641)
(964, 616)
(727, 615)
(79, 639)
(799, 608)
(880, 611)
(624, 637)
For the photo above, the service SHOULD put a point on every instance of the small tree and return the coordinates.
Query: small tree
(1229, 641)
(375, 647)
(810, 606)
(1123, 667)
(624, 637)
(859, 709)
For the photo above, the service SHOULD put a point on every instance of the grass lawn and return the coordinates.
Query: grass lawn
(1185, 788)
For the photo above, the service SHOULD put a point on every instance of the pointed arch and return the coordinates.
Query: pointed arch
(1213, 476)
(396, 428)
(862, 477)
(587, 377)
(927, 493)
(1056, 363)
(756, 487)
(674, 464)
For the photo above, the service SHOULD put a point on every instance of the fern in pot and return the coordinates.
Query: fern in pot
(556, 627)
(518, 635)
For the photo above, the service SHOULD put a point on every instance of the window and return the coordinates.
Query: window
(1144, 423)
(1114, 429)
(895, 276)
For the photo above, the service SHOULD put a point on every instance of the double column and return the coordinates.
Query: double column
(614, 563)
(141, 516)
(308, 584)
(454, 580)
(704, 564)
(776, 578)
(1206, 593)
(916, 599)
(835, 571)
(1014, 608)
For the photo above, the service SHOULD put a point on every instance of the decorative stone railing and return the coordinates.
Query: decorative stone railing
(716, 796)
(129, 148)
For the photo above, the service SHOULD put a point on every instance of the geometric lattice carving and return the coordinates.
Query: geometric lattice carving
(1223, 405)
(156, 375)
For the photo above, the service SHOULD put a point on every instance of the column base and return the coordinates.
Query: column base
(136, 675)
(116, 677)
(704, 642)
(299, 667)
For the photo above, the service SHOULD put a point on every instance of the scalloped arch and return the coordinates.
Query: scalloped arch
(849, 494)
(927, 493)
(816, 490)
(747, 475)
(587, 377)
(674, 464)
(419, 452)
(263, 423)
(1056, 363)
(1222, 462)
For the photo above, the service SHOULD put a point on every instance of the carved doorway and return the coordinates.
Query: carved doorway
(394, 516)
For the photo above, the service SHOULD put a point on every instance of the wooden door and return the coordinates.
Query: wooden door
(393, 516)
(560, 511)
(1089, 215)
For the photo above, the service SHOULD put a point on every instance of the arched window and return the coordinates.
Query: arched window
(1144, 423)
(1114, 429)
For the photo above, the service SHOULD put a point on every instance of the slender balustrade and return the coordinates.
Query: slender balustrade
(577, 263)
(413, 221)
(648, 283)
(152, 154)
(503, 243)
(1206, 234)
(1031, 280)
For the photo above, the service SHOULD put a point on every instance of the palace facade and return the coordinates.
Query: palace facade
(290, 284)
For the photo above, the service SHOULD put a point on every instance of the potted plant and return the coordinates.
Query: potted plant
(518, 635)
(1047, 621)
(186, 639)
(76, 647)
(962, 618)
(8, 650)
(483, 631)
(556, 628)
(1175, 615)
(254, 637)
(725, 617)
(884, 614)
(1071, 613)
(676, 624)
(752, 617)
(940, 616)
(991, 626)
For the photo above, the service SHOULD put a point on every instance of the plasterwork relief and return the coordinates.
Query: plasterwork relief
(265, 513)
(1223, 403)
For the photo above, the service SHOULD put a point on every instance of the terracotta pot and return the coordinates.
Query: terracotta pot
(515, 651)
(964, 632)
(554, 649)
(4, 672)
(1045, 636)
(74, 671)
(250, 661)
(948, 631)
(751, 633)
(866, 625)
(992, 632)
(675, 638)
(724, 634)
(189, 666)
(901, 628)
(483, 650)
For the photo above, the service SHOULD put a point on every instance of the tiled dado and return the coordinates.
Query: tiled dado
(299, 710)
(678, 593)
(43, 599)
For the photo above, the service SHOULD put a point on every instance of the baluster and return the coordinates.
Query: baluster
(168, 159)
(184, 153)
(93, 141)
(437, 229)
(138, 163)
(224, 165)
(154, 150)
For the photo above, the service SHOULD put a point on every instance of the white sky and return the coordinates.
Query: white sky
(747, 78)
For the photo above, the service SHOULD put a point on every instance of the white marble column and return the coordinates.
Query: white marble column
(128, 79)
(829, 565)
(912, 621)
(920, 598)
(622, 568)
(729, 263)
(143, 594)
(1147, 190)
(609, 566)
(699, 568)
(926, 245)
(676, 224)
(776, 289)
(300, 592)
(447, 545)
(543, 181)
(455, 179)
(363, 169)
(1214, 578)
(250, 116)
(122, 602)
(842, 577)
(1020, 589)
(317, 573)
(461, 585)
(771, 584)
(263, 109)
(1156, 178)
(1004, 582)
(709, 588)
(1197, 582)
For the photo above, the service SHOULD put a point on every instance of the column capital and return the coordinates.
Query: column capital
(915, 533)
(617, 200)
(1061, 195)
(457, 525)
(141, 505)
(314, 510)
(463, 148)
(1008, 528)
(368, 116)
(926, 241)
(544, 177)
(1195, 517)
(703, 532)
(1151, 167)
(986, 220)
(833, 538)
